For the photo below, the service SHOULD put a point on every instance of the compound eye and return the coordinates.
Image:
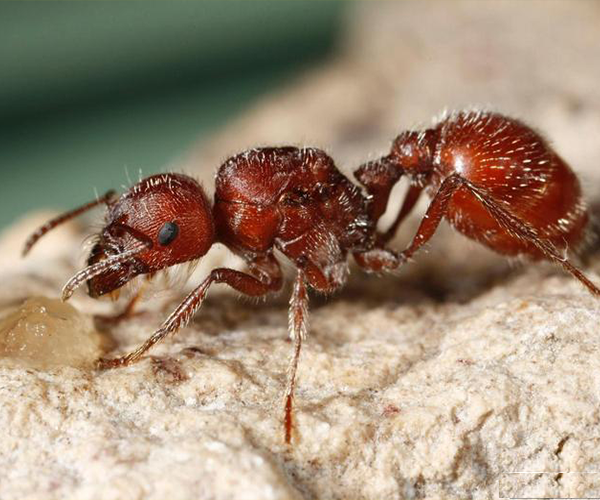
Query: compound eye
(167, 233)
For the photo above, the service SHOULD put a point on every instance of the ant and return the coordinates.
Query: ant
(495, 180)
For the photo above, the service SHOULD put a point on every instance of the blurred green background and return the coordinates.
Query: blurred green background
(90, 90)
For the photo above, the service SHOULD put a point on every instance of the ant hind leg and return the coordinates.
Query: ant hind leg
(379, 260)
(439, 208)
(521, 230)
(412, 196)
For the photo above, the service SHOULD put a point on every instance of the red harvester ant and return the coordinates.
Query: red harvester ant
(495, 180)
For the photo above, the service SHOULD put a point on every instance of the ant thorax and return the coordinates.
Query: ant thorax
(294, 200)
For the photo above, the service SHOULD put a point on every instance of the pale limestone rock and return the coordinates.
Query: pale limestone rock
(440, 382)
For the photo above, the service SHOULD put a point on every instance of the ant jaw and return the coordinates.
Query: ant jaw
(116, 241)
(109, 272)
(111, 282)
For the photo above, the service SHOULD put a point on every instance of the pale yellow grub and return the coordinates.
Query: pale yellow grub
(45, 332)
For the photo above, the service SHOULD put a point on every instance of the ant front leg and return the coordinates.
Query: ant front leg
(268, 279)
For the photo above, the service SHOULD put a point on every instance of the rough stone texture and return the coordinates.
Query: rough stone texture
(442, 381)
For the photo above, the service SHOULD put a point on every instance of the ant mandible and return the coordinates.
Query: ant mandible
(492, 177)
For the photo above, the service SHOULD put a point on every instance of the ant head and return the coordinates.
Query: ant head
(161, 221)
(413, 151)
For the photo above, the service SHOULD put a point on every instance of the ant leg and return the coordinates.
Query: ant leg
(57, 221)
(245, 283)
(383, 259)
(379, 177)
(521, 230)
(325, 281)
(298, 316)
(439, 207)
(412, 196)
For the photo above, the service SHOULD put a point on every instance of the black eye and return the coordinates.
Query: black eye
(168, 233)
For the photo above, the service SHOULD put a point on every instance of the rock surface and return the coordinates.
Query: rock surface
(462, 377)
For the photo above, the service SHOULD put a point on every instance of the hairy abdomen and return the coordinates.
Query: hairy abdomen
(520, 171)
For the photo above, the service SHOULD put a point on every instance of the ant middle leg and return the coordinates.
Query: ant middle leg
(267, 278)
(323, 280)
(298, 318)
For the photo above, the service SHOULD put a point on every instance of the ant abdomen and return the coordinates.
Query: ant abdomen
(512, 165)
